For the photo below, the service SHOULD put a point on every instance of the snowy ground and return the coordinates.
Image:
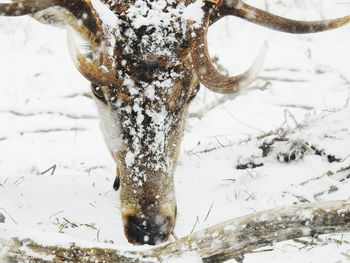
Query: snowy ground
(47, 120)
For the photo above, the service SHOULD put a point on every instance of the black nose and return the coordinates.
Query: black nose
(151, 230)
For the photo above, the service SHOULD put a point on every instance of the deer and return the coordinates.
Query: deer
(145, 67)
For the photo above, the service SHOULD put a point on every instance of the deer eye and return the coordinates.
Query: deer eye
(98, 93)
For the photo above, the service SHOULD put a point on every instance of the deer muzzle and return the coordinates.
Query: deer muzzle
(149, 229)
(148, 204)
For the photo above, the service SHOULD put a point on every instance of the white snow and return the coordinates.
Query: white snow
(105, 14)
(194, 12)
(45, 120)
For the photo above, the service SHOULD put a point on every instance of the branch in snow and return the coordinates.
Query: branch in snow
(336, 177)
(229, 240)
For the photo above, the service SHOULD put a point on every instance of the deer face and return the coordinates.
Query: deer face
(143, 116)
(147, 112)
(144, 70)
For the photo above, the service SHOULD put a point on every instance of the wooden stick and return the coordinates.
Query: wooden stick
(228, 240)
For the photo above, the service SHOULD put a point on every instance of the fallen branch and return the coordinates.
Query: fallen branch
(228, 240)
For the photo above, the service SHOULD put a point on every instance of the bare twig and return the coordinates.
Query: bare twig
(195, 224)
(52, 169)
(8, 215)
(55, 214)
(98, 235)
(211, 206)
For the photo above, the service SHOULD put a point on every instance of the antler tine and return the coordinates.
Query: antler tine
(275, 22)
(98, 75)
(206, 71)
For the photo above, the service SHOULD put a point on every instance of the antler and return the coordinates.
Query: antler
(275, 22)
(217, 9)
(99, 75)
(207, 73)
(82, 17)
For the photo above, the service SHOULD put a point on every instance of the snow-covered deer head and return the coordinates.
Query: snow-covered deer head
(145, 61)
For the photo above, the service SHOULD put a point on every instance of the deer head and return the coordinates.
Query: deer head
(145, 68)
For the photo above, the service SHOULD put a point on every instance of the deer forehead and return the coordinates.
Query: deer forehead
(147, 44)
(152, 31)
